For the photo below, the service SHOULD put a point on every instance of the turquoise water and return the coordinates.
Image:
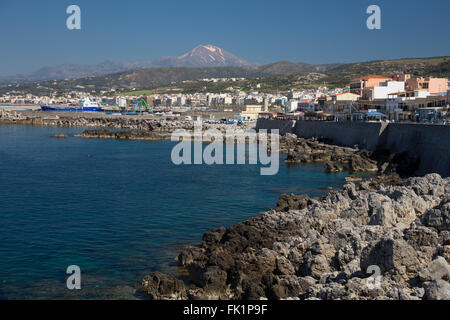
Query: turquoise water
(117, 209)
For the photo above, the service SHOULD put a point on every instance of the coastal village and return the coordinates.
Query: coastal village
(388, 134)
(313, 165)
(394, 98)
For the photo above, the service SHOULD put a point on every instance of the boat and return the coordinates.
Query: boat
(83, 105)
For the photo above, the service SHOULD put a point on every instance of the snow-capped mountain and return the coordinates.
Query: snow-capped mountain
(203, 56)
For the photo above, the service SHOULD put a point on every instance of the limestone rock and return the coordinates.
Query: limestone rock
(437, 290)
(438, 269)
(160, 286)
(390, 254)
(322, 248)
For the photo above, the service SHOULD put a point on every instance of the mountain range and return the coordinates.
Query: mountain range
(200, 56)
(207, 61)
(275, 77)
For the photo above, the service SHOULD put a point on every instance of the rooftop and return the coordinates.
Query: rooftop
(371, 76)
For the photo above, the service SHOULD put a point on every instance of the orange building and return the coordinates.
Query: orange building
(357, 85)
(401, 77)
(432, 85)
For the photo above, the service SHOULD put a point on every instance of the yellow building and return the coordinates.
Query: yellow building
(341, 102)
(251, 112)
(345, 96)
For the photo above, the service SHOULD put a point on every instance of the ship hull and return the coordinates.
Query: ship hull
(71, 109)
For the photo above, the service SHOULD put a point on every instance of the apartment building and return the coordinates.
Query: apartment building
(401, 77)
(357, 85)
(382, 90)
(340, 102)
(291, 105)
(404, 105)
(344, 96)
(251, 112)
(432, 85)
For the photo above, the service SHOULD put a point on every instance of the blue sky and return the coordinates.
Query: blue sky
(33, 33)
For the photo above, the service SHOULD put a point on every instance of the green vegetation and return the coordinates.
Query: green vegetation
(276, 77)
(135, 93)
(436, 67)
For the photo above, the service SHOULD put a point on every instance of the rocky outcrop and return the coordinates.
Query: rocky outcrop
(335, 158)
(60, 136)
(159, 286)
(11, 117)
(328, 248)
(332, 167)
(293, 202)
(123, 135)
(389, 168)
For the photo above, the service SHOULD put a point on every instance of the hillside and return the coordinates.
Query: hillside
(283, 68)
(273, 77)
(130, 80)
(436, 66)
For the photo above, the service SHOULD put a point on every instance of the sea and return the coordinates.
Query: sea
(118, 210)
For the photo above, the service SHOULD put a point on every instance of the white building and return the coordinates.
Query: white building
(121, 102)
(396, 103)
(181, 101)
(291, 105)
(227, 100)
(383, 90)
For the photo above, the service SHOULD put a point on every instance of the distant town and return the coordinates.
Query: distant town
(394, 98)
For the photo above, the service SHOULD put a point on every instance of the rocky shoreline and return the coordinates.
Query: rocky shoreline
(103, 126)
(304, 248)
(327, 248)
(322, 248)
(123, 135)
(101, 121)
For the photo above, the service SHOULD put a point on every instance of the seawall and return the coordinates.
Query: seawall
(284, 126)
(429, 143)
(365, 135)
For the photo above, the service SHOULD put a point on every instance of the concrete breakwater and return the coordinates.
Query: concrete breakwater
(429, 145)
(93, 120)
(100, 120)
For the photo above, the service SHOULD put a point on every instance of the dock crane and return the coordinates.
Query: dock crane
(140, 107)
